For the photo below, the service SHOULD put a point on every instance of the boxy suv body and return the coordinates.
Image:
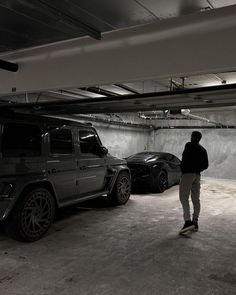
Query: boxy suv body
(48, 163)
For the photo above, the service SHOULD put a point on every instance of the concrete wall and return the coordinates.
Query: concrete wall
(123, 141)
(220, 144)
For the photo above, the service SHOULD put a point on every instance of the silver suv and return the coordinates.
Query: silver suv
(49, 163)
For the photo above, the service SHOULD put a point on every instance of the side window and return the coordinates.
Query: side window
(88, 141)
(61, 141)
(21, 140)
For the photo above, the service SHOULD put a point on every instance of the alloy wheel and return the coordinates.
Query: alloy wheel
(124, 187)
(37, 214)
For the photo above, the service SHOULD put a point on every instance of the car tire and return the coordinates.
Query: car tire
(32, 216)
(121, 191)
(159, 183)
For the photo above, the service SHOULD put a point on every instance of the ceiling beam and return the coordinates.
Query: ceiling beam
(206, 97)
(127, 88)
(87, 29)
(98, 90)
(8, 66)
(50, 16)
(193, 44)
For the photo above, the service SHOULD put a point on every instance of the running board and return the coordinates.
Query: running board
(83, 199)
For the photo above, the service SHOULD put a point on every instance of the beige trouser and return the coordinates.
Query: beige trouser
(190, 182)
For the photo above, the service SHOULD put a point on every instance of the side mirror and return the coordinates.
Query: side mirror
(100, 150)
(103, 150)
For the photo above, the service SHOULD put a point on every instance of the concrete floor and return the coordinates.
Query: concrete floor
(133, 249)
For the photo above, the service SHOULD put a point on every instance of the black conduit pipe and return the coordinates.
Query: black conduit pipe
(8, 66)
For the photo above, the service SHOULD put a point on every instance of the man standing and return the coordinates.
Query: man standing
(194, 161)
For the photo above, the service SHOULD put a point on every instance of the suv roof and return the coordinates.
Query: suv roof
(39, 119)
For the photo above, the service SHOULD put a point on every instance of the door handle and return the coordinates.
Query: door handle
(53, 170)
(83, 167)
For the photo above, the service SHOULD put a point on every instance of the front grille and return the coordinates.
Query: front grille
(138, 170)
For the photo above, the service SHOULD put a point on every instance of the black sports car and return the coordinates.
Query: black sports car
(154, 171)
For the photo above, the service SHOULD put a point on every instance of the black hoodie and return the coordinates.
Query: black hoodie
(194, 158)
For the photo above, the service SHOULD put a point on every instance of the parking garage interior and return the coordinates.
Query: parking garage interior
(145, 74)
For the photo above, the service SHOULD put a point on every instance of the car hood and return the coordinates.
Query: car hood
(144, 158)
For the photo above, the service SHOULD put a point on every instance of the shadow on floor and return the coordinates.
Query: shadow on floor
(144, 190)
(69, 212)
(101, 203)
(141, 190)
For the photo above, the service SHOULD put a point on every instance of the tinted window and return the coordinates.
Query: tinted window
(21, 140)
(61, 141)
(88, 141)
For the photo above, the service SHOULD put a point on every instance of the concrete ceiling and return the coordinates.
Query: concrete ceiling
(27, 23)
(30, 23)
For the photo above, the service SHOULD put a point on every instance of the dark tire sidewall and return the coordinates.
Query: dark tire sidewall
(160, 186)
(155, 185)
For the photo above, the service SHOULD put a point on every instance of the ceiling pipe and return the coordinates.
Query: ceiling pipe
(8, 66)
(138, 126)
(187, 114)
(167, 115)
(107, 121)
(196, 127)
(145, 117)
(184, 115)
